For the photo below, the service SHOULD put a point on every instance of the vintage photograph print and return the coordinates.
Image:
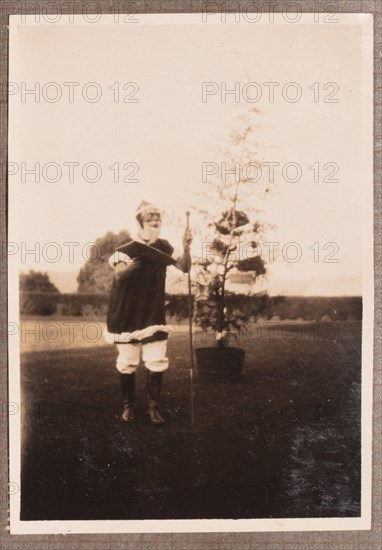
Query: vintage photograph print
(190, 251)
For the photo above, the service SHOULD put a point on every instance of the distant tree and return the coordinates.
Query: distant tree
(96, 276)
(36, 281)
(38, 295)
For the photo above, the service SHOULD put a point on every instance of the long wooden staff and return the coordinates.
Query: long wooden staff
(190, 325)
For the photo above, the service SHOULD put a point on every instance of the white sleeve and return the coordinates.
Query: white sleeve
(119, 257)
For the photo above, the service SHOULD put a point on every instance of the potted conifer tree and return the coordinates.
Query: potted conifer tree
(232, 247)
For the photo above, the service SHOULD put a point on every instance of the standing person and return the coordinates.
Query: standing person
(136, 319)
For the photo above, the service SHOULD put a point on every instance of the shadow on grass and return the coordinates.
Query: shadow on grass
(283, 441)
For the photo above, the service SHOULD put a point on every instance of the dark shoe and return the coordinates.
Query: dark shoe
(153, 388)
(128, 393)
(128, 414)
(155, 415)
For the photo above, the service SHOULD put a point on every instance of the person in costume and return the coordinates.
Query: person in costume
(136, 320)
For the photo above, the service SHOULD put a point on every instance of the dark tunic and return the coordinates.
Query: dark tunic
(138, 301)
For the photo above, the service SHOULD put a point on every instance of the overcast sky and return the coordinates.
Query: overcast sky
(169, 132)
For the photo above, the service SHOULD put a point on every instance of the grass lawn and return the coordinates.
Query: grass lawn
(283, 441)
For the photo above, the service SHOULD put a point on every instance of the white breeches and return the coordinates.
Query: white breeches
(153, 355)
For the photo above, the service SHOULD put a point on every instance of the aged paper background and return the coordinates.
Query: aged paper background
(295, 524)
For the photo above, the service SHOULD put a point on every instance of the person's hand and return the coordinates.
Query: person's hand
(136, 263)
(187, 240)
(123, 271)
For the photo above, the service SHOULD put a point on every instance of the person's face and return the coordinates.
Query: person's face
(152, 220)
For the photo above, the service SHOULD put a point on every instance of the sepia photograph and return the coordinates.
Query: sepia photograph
(190, 285)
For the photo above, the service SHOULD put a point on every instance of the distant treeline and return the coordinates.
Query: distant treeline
(260, 305)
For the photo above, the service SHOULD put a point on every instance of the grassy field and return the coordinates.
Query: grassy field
(283, 441)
